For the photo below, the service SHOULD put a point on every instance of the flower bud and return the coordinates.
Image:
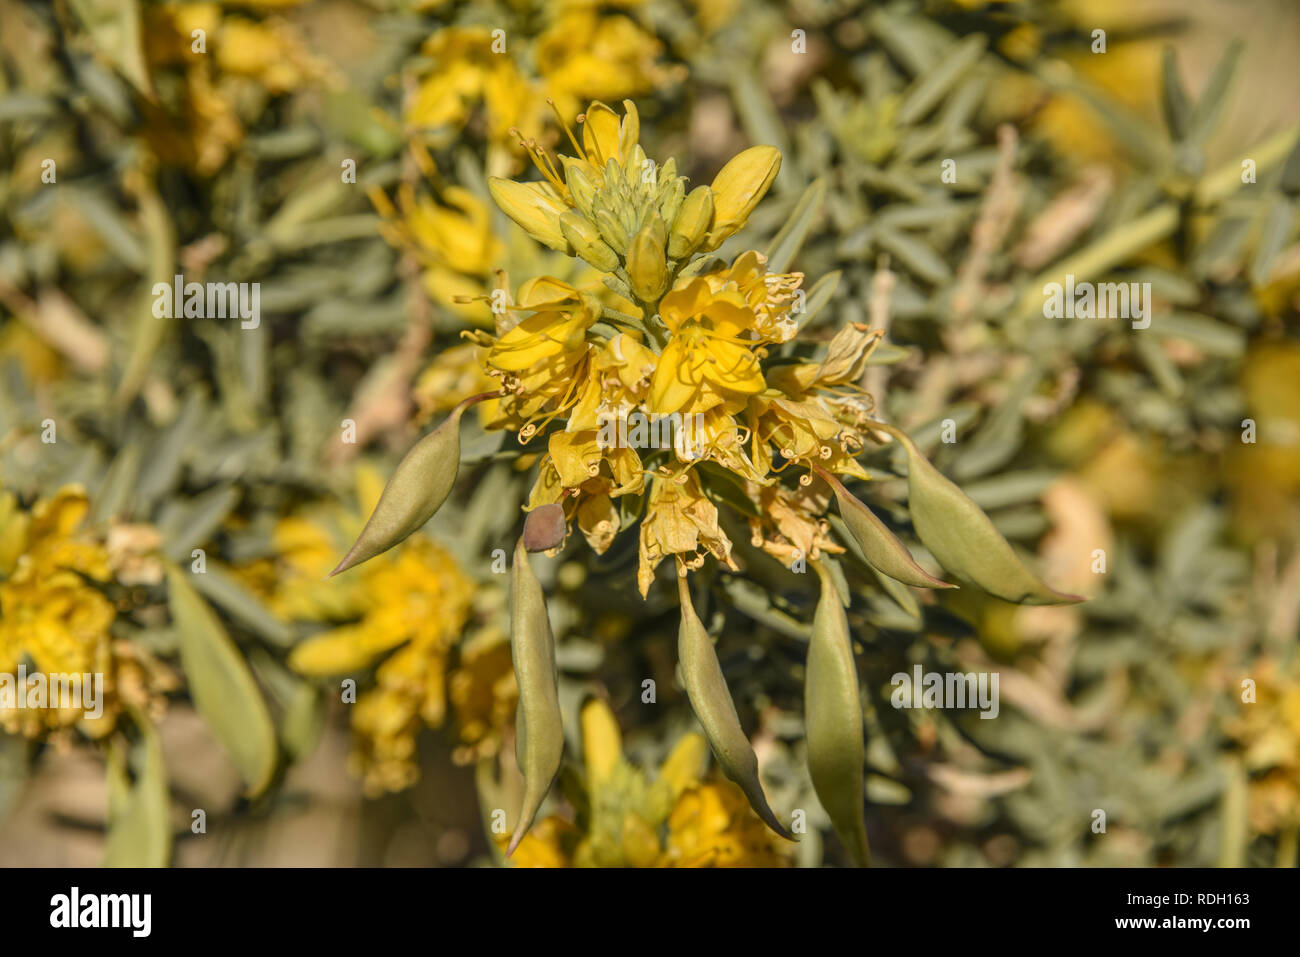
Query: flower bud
(611, 230)
(535, 207)
(581, 188)
(737, 189)
(692, 222)
(545, 528)
(646, 266)
(670, 197)
(583, 235)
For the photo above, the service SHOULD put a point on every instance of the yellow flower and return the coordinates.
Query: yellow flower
(468, 72)
(560, 318)
(537, 207)
(674, 820)
(205, 126)
(53, 621)
(1268, 730)
(403, 611)
(483, 693)
(680, 520)
(709, 360)
(714, 826)
(586, 54)
(792, 526)
(452, 239)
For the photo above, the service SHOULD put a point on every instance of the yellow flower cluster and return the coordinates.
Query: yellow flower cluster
(55, 623)
(693, 358)
(224, 59)
(676, 820)
(582, 52)
(1268, 728)
(402, 613)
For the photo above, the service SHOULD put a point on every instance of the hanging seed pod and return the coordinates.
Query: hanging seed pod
(711, 701)
(419, 486)
(963, 538)
(881, 548)
(539, 731)
(833, 721)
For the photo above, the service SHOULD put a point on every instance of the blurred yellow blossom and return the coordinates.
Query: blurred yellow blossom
(674, 820)
(56, 623)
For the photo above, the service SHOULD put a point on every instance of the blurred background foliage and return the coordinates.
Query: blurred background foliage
(128, 442)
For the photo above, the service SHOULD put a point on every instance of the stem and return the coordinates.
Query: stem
(464, 404)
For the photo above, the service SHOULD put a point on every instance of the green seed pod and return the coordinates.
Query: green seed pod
(833, 722)
(882, 550)
(418, 488)
(646, 266)
(692, 222)
(539, 730)
(711, 701)
(585, 239)
(963, 538)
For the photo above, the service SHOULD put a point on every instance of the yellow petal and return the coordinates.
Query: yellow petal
(600, 134)
(576, 456)
(629, 131)
(602, 745)
(670, 389)
(546, 292)
(342, 650)
(681, 769)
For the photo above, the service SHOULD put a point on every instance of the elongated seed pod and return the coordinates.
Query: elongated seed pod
(882, 550)
(711, 701)
(833, 721)
(539, 730)
(419, 486)
(963, 538)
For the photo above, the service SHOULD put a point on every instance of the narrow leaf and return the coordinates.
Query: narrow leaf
(221, 685)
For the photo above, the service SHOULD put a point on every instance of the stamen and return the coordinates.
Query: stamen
(577, 149)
